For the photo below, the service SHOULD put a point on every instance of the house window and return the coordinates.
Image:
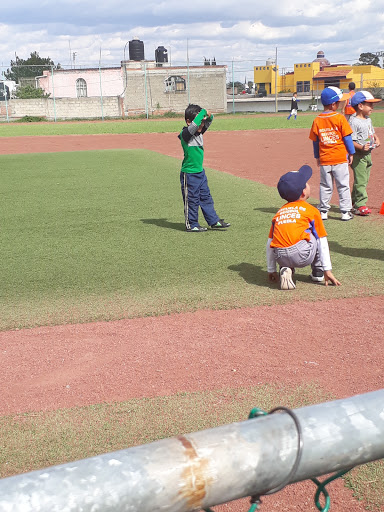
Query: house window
(299, 86)
(267, 67)
(175, 84)
(305, 65)
(307, 86)
(309, 65)
(332, 82)
(81, 88)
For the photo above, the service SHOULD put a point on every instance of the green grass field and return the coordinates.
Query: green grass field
(99, 235)
(222, 122)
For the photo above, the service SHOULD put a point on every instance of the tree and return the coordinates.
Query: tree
(368, 59)
(29, 68)
(238, 85)
(376, 89)
(27, 92)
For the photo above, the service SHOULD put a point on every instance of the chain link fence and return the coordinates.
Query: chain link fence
(148, 88)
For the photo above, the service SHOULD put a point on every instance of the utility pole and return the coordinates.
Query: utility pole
(74, 58)
(70, 53)
(275, 69)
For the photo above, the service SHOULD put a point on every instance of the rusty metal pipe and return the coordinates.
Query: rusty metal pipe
(206, 468)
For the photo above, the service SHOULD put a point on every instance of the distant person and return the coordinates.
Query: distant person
(294, 101)
(365, 140)
(333, 149)
(297, 237)
(347, 108)
(194, 183)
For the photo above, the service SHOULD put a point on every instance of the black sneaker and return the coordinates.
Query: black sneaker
(220, 224)
(197, 229)
(317, 275)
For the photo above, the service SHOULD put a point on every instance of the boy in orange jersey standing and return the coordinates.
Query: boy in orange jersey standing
(347, 108)
(297, 237)
(333, 149)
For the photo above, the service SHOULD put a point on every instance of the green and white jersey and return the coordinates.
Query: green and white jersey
(192, 143)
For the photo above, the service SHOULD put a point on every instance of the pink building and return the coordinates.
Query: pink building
(82, 83)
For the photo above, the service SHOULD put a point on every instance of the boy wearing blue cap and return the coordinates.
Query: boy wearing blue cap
(333, 149)
(297, 237)
(365, 140)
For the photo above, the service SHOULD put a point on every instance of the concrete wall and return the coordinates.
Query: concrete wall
(268, 104)
(64, 108)
(88, 108)
(146, 90)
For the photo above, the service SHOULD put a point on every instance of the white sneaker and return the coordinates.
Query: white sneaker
(346, 216)
(286, 282)
(324, 215)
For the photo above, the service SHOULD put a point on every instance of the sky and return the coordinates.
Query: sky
(241, 35)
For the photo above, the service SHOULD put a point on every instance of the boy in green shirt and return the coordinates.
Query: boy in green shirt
(194, 183)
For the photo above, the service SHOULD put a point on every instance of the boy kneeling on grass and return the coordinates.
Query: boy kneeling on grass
(297, 237)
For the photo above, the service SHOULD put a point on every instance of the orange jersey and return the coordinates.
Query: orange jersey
(348, 109)
(294, 222)
(329, 128)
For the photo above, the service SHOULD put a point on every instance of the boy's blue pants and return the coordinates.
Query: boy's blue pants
(195, 190)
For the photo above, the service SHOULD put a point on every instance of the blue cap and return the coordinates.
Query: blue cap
(331, 95)
(292, 184)
(361, 97)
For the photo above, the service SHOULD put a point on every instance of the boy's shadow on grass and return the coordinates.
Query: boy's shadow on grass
(254, 274)
(267, 209)
(164, 223)
(360, 252)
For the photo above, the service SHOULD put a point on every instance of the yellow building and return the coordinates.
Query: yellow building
(313, 77)
(265, 77)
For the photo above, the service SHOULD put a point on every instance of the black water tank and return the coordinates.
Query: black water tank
(161, 54)
(136, 50)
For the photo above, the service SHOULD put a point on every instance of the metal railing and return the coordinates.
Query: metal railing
(210, 467)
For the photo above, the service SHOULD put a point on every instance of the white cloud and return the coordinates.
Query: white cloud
(247, 35)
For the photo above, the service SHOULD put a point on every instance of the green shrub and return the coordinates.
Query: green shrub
(31, 119)
(28, 92)
(170, 113)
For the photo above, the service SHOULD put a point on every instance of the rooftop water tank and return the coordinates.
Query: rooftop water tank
(161, 55)
(136, 49)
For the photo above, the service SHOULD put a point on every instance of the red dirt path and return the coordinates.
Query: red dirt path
(56, 367)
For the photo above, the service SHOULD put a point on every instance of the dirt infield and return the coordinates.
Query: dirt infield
(338, 344)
